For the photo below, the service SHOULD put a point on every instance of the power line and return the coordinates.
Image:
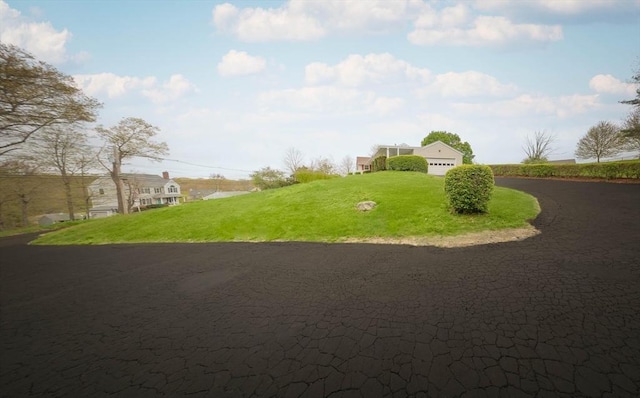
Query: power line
(208, 167)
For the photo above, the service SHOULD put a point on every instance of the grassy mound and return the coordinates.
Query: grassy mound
(409, 204)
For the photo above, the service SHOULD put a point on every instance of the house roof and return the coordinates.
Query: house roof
(224, 194)
(148, 180)
(363, 160)
(144, 180)
(442, 143)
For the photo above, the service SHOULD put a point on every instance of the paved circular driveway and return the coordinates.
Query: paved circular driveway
(554, 315)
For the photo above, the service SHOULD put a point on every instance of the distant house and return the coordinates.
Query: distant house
(440, 156)
(49, 219)
(140, 190)
(198, 194)
(363, 164)
(225, 194)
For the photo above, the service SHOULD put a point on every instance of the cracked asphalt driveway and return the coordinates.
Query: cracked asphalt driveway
(554, 315)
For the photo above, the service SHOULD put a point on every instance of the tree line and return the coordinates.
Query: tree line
(604, 139)
(46, 125)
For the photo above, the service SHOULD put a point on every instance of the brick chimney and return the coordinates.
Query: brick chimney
(165, 175)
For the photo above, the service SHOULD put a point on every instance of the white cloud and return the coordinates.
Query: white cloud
(566, 7)
(259, 24)
(114, 86)
(301, 20)
(608, 84)
(237, 63)
(328, 100)
(468, 84)
(176, 87)
(481, 31)
(39, 38)
(529, 105)
(357, 70)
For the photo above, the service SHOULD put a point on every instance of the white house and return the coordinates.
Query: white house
(440, 156)
(140, 190)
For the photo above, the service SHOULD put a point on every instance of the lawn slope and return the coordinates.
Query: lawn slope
(409, 205)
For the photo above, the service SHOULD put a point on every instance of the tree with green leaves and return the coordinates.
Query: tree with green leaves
(131, 137)
(454, 141)
(34, 96)
(601, 141)
(268, 178)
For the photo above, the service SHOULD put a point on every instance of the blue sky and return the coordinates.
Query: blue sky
(233, 85)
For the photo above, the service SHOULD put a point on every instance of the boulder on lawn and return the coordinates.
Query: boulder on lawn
(366, 205)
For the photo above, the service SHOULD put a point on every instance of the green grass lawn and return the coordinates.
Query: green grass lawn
(409, 205)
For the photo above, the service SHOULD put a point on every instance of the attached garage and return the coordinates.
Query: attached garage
(440, 166)
(440, 157)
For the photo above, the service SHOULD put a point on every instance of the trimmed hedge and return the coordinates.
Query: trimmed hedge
(608, 170)
(407, 163)
(379, 163)
(469, 188)
(303, 176)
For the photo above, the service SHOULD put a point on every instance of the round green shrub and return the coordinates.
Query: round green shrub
(379, 163)
(469, 188)
(407, 163)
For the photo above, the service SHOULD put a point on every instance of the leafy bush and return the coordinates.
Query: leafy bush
(379, 163)
(268, 178)
(469, 188)
(306, 175)
(609, 170)
(407, 163)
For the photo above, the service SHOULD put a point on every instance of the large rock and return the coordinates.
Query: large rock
(366, 205)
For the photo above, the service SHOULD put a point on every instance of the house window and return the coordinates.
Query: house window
(101, 191)
(173, 189)
(146, 190)
(158, 190)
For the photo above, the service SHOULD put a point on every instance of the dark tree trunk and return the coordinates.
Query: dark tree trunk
(115, 177)
(24, 205)
(66, 180)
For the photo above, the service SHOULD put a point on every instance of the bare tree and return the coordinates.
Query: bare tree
(323, 165)
(538, 147)
(218, 178)
(293, 160)
(35, 95)
(347, 165)
(131, 137)
(602, 140)
(24, 186)
(132, 191)
(62, 148)
(86, 162)
(5, 198)
(631, 130)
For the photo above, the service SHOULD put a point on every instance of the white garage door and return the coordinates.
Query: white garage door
(440, 167)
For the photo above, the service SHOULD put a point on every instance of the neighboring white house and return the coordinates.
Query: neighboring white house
(140, 190)
(224, 194)
(440, 156)
(49, 219)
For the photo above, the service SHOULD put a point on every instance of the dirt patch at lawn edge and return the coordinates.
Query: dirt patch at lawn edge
(470, 239)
